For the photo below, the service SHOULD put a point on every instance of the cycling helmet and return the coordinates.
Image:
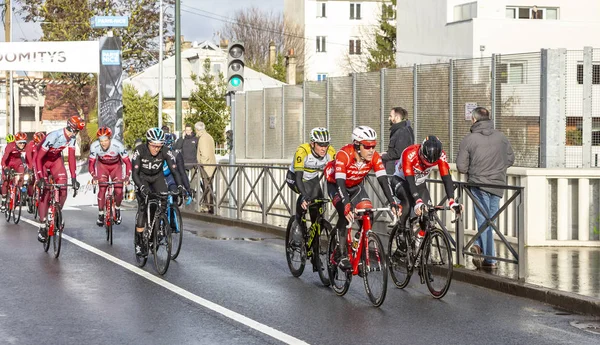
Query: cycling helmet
(155, 135)
(365, 135)
(38, 137)
(75, 123)
(21, 137)
(10, 138)
(320, 135)
(169, 139)
(431, 149)
(104, 132)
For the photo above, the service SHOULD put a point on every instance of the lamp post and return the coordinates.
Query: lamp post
(160, 65)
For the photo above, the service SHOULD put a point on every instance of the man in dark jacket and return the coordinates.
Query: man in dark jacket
(188, 145)
(401, 137)
(484, 155)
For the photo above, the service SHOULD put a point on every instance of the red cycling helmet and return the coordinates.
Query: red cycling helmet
(75, 123)
(22, 137)
(38, 137)
(104, 132)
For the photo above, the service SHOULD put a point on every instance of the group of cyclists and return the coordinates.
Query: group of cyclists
(154, 167)
(346, 170)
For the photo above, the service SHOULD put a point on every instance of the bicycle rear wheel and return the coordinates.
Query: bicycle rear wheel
(399, 257)
(8, 211)
(438, 263)
(375, 274)
(320, 247)
(295, 247)
(17, 205)
(47, 243)
(340, 280)
(58, 230)
(176, 231)
(162, 244)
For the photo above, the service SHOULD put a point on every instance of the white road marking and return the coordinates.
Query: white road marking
(270, 331)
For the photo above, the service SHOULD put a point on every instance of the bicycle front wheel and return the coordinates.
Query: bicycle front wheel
(8, 210)
(375, 269)
(320, 247)
(108, 220)
(438, 263)
(340, 280)
(58, 230)
(295, 247)
(176, 231)
(47, 243)
(399, 257)
(18, 205)
(162, 244)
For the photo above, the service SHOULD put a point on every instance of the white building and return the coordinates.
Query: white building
(338, 33)
(432, 31)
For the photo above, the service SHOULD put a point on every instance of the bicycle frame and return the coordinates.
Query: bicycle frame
(355, 256)
(109, 200)
(315, 228)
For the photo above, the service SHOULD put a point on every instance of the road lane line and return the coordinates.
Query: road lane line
(270, 331)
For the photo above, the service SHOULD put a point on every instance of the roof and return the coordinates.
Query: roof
(192, 60)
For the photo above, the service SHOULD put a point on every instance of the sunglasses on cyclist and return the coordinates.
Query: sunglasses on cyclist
(155, 146)
(369, 147)
(323, 144)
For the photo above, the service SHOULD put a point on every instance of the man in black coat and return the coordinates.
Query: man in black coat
(188, 144)
(401, 137)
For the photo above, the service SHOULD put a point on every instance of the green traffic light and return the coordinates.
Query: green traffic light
(235, 81)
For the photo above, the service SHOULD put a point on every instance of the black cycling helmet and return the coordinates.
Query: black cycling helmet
(431, 149)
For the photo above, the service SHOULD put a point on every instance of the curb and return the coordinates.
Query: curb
(565, 300)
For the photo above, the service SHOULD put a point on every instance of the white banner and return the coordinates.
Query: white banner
(75, 57)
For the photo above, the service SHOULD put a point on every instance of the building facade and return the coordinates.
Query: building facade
(431, 31)
(338, 33)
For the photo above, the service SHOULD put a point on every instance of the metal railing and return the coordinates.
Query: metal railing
(259, 193)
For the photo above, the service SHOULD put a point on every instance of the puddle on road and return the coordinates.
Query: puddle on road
(588, 326)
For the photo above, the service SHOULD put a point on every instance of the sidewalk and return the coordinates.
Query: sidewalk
(568, 278)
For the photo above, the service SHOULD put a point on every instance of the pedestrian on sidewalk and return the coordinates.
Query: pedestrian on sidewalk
(206, 155)
(401, 137)
(484, 155)
(188, 144)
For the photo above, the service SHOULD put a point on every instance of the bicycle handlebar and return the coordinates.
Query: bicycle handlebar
(362, 210)
(319, 201)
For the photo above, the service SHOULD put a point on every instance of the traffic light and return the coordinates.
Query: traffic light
(235, 67)
(229, 138)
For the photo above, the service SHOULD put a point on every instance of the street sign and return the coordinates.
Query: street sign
(109, 22)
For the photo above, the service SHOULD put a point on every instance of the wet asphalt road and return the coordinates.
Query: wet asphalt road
(84, 298)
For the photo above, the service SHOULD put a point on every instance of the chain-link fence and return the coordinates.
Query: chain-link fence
(439, 99)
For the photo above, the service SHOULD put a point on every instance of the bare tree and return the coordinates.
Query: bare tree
(357, 62)
(256, 29)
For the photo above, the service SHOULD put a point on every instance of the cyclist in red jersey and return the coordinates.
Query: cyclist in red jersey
(30, 151)
(49, 158)
(412, 171)
(12, 159)
(345, 177)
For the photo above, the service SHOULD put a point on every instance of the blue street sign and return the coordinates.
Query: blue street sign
(111, 57)
(109, 22)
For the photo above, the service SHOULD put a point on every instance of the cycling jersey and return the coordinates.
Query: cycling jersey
(411, 164)
(145, 165)
(13, 157)
(181, 170)
(346, 166)
(115, 154)
(30, 151)
(51, 150)
(306, 161)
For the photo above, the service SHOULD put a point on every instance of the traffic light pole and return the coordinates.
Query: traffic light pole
(231, 102)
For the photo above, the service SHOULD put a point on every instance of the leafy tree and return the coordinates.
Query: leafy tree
(140, 112)
(382, 55)
(207, 103)
(278, 71)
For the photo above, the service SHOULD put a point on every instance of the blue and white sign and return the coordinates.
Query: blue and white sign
(111, 57)
(110, 21)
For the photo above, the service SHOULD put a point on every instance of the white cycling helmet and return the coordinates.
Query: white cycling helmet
(364, 134)
(320, 135)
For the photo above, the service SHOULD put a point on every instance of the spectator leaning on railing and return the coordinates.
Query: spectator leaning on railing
(484, 155)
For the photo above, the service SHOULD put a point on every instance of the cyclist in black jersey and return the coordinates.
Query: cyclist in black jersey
(148, 176)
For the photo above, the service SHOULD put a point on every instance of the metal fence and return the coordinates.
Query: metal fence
(271, 123)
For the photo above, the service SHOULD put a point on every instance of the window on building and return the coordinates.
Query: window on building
(355, 11)
(465, 11)
(595, 74)
(533, 12)
(388, 12)
(511, 73)
(321, 9)
(321, 76)
(354, 47)
(321, 40)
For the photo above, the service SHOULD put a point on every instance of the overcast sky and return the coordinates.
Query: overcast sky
(196, 21)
